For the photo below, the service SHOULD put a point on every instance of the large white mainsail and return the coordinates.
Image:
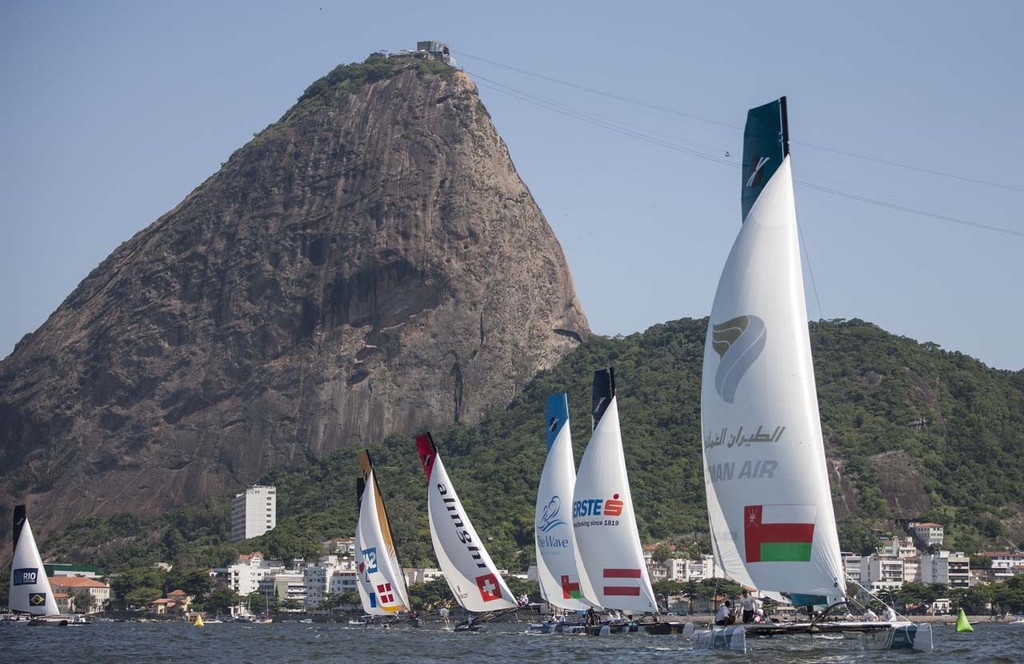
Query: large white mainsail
(381, 581)
(769, 503)
(469, 570)
(556, 542)
(611, 560)
(30, 590)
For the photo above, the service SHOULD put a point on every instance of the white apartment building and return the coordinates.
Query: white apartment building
(318, 578)
(950, 569)
(342, 581)
(881, 573)
(929, 534)
(253, 512)
(851, 566)
(682, 570)
(1005, 564)
(244, 576)
(417, 575)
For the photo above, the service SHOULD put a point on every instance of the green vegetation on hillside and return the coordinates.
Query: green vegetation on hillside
(956, 425)
(351, 78)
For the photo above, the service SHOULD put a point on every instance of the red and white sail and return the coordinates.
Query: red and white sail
(469, 570)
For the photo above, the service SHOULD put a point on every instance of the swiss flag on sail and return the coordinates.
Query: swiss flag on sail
(489, 588)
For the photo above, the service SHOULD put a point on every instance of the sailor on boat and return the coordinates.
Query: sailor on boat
(724, 615)
(870, 616)
(747, 602)
(889, 615)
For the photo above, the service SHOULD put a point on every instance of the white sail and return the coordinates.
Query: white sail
(381, 582)
(769, 502)
(612, 569)
(556, 542)
(469, 570)
(30, 590)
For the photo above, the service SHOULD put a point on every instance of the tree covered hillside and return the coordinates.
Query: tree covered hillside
(912, 431)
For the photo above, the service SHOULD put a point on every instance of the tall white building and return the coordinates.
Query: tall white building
(253, 512)
(950, 569)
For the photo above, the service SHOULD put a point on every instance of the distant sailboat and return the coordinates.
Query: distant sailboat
(610, 558)
(30, 592)
(471, 574)
(381, 583)
(768, 496)
(556, 543)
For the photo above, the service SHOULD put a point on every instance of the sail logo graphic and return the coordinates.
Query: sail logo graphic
(597, 507)
(757, 165)
(385, 594)
(570, 589)
(778, 533)
(488, 586)
(368, 565)
(617, 581)
(37, 599)
(25, 576)
(738, 342)
(550, 518)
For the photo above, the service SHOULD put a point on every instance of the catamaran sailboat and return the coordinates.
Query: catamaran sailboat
(769, 502)
(557, 570)
(381, 582)
(30, 592)
(471, 574)
(609, 557)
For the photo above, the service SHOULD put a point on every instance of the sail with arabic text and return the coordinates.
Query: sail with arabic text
(768, 495)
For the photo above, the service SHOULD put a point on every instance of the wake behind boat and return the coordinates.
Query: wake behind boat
(768, 495)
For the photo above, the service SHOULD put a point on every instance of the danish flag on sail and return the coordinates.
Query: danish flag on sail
(778, 533)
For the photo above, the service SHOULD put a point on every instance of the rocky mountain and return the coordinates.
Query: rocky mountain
(370, 264)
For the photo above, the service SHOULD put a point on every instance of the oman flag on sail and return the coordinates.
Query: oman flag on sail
(778, 533)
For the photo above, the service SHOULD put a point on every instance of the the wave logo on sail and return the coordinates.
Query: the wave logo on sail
(550, 518)
(738, 342)
(25, 576)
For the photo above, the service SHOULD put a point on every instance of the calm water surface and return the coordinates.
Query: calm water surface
(240, 643)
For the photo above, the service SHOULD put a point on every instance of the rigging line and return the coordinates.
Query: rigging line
(810, 272)
(601, 93)
(632, 133)
(719, 123)
(920, 169)
(564, 110)
(910, 210)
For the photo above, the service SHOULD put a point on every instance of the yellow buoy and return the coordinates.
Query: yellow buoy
(198, 622)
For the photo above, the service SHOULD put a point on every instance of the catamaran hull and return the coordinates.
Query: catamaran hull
(721, 638)
(900, 637)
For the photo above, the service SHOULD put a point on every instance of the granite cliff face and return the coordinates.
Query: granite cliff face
(370, 264)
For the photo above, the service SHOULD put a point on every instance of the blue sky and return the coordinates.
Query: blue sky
(114, 111)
